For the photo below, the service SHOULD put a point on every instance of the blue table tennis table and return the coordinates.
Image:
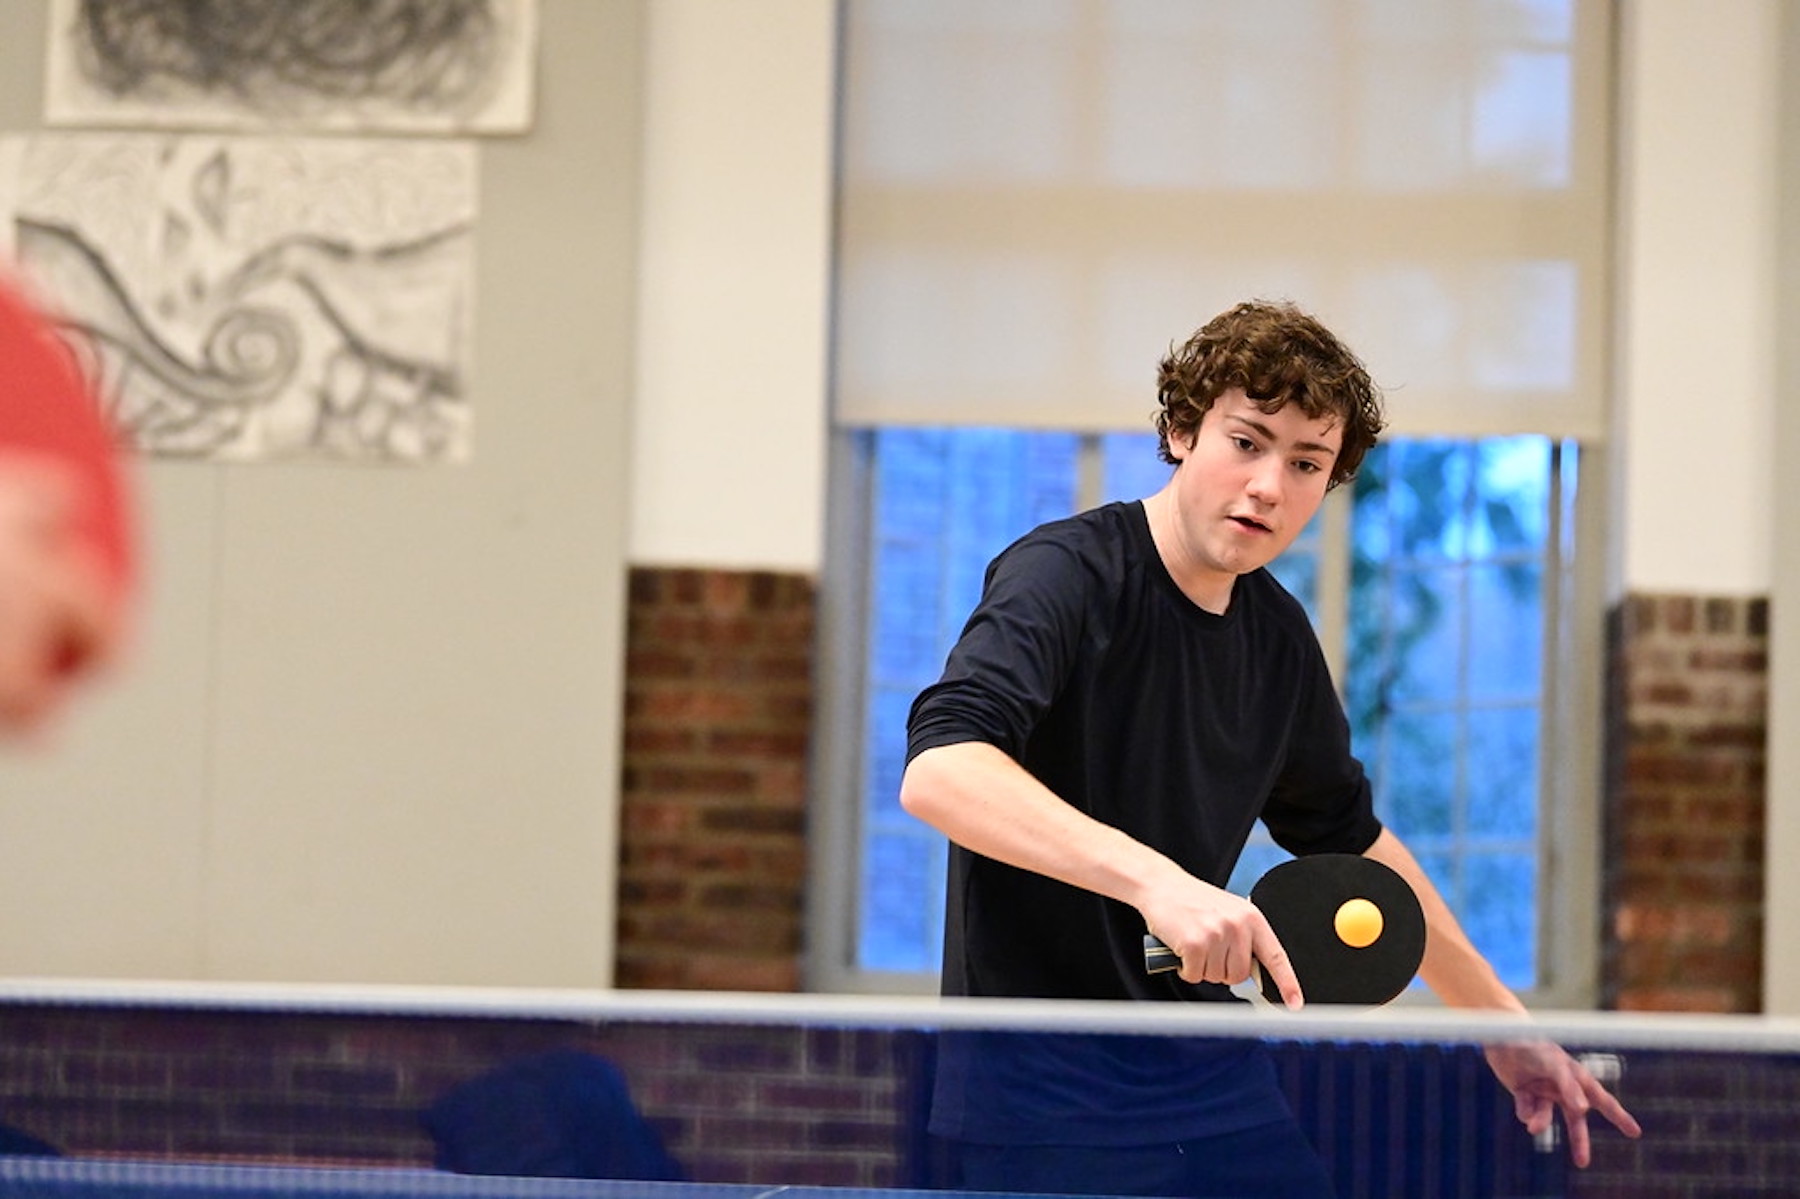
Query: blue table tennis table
(73, 1178)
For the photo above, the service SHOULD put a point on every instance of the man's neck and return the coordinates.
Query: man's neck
(1209, 590)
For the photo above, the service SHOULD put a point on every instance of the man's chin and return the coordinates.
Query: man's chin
(1252, 558)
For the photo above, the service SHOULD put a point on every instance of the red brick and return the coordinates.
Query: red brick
(742, 819)
(639, 892)
(687, 705)
(1677, 614)
(644, 588)
(749, 897)
(661, 663)
(662, 741)
(709, 780)
(684, 587)
(727, 591)
(765, 744)
(1677, 999)
(765, 974)
(662, 816)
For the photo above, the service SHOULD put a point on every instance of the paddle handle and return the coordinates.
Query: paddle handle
(1159, 958)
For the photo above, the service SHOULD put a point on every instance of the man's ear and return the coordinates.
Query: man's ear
(1182, 444)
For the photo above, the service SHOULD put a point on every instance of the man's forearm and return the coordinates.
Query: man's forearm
(1453, 968)
(986, 802)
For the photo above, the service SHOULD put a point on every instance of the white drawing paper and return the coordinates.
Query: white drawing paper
(246, 299)
(378, 66)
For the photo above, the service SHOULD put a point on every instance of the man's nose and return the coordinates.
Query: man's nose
(1265, 481)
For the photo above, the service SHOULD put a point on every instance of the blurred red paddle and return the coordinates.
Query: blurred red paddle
(51, 422)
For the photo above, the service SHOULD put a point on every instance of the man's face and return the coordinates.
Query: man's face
(1248, 482)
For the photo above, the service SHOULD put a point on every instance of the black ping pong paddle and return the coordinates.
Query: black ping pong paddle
(1353, 929)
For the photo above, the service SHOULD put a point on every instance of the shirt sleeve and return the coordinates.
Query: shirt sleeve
(1322, 801)
(1012, 657)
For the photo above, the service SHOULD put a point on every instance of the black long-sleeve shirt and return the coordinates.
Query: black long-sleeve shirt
(1087, 664)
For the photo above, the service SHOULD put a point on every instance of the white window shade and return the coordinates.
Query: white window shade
(1038, 198)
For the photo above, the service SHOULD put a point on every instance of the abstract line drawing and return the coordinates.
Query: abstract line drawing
(245, 299)
(371, 66)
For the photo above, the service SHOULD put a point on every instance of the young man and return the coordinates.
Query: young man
(1131, 694)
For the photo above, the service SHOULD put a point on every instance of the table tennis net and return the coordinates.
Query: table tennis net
(218, 1097)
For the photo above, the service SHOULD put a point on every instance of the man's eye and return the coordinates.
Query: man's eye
(1308, 467)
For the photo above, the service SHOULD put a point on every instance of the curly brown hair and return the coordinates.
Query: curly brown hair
(1279, 355)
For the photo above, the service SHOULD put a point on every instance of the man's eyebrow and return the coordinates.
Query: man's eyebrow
(1268, 434)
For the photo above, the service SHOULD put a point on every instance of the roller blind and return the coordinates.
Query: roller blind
(1038, 197)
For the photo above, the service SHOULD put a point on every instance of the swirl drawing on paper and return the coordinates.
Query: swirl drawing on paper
(251, 299)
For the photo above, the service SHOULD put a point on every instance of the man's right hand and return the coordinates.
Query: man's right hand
(1219, 937)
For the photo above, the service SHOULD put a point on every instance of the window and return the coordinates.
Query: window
(1035, 201)
(1453, 552)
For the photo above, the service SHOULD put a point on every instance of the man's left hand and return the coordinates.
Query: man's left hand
(1544, 1078)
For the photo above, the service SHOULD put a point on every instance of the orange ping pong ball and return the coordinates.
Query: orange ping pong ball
(1358, 923)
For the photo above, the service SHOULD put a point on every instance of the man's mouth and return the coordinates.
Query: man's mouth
(1252, 524)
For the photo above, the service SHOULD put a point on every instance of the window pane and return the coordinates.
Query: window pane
(1416, 784)
(1514, 493)
(1298, 570)
(1197, 100)
(1448, 626)
(948, 90)
(1425, 636)
(1456, 94)
(1507, 636)
(1497, 909)
(1520, 122)
(1428, 503)
(945, 502)
(1503, 777)
(1130, 466)
(898, 932)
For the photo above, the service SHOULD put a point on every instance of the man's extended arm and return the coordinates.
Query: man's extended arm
(1541, 1076)
(986, 802)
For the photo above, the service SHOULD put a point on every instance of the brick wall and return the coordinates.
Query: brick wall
(1684, 804)
(718, 715)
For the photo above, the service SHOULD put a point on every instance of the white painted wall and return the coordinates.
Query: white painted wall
(371, 732)
(1781, 944)
(1694, 394)
(729, 436)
